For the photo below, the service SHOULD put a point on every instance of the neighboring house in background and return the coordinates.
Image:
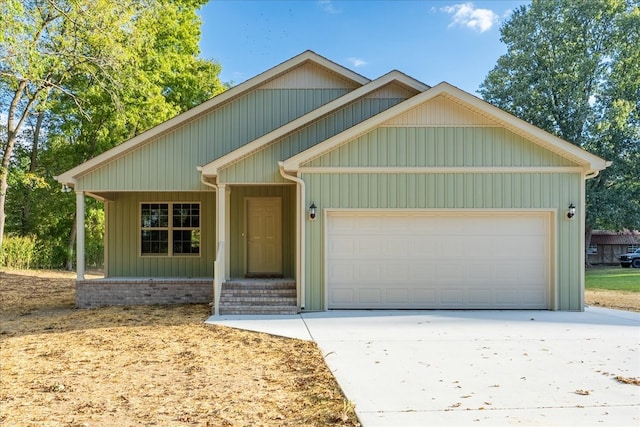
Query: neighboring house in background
(423, 197)
(607, 246)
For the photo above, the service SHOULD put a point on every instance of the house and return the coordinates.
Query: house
(606, 246)
(347, 193)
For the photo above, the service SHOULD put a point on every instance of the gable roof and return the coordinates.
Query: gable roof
(264, 78)
(211, 169)
(590, 162)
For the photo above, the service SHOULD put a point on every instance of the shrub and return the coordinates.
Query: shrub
(17, 252)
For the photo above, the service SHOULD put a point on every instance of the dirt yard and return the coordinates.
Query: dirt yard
(629, 301)
(149, 366)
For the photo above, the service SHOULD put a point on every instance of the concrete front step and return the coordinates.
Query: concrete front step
(259, 296)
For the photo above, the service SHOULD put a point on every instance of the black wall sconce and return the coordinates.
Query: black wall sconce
(572, 211)
(312, 211)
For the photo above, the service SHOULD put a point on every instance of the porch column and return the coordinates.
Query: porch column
(80, 235)
(227, 231)
(220, 265)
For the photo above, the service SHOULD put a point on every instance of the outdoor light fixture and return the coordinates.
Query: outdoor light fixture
(66, 188)
(572, 211)
(312, 211)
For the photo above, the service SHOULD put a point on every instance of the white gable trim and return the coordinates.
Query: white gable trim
(591, 163)
(211, 169)
(69, 176)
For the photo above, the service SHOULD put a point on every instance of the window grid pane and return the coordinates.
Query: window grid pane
(174, 226)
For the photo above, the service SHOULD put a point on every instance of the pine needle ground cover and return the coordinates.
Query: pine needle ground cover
(149, 366)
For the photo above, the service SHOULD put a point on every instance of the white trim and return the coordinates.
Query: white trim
(170, 228)
(551, 216)
(300, 235)
(69, 176)
(439, 169)
(221, 211)
(461, 211)
(212, 168)
(533, 133)
(80, 235)
(583, 222)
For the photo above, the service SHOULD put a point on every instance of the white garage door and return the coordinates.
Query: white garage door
(488, 260)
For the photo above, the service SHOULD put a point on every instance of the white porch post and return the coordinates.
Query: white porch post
(227, 231)
(80, 235)
(221, 231)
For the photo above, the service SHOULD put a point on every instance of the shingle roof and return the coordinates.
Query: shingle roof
(599, 237)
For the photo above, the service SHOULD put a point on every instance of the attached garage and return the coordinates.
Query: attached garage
(439, 259)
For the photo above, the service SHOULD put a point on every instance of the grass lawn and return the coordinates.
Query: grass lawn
(613, 279)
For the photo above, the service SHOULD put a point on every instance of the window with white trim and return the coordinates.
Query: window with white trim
(592, 250)
(170, 229)
(632, 248)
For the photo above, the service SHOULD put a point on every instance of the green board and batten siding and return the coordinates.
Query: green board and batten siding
(441, 146)
(164, 170)
(261, 166)
(122, 244)
(169, 162)
(445, 147)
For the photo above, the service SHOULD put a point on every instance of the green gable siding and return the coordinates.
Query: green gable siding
(122, 234)
(448, 191)
(169, 162)
(238, 225)
(262, 166)
(440, 146)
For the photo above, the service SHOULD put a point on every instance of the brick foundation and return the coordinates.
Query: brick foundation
(104, 292)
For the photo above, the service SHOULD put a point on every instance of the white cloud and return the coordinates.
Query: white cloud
(329, 7)
(357, 62)
(466, 15)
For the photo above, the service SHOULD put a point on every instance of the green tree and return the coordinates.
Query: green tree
(92, 73)
(572, 67)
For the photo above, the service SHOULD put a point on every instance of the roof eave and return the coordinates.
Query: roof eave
(211, 169)
(588, 161)
(205, 107)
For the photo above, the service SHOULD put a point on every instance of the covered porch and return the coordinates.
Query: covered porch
(242, 232)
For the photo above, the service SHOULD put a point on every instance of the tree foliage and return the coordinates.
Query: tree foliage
(572, 67)
(78, 77)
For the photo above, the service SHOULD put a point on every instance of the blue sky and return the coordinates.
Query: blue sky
(432, 41)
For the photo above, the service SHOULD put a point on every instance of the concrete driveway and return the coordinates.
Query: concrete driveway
(431, 368)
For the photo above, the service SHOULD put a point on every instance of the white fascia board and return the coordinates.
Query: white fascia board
(211, 169)
(437, 169)
(195, 112)
(589, 161)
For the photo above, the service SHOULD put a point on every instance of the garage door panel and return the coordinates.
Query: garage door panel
(395, 247)
(422, 272)
(371, 296)
(480, 297)
(423, 297)
(368, 272)
(438, 260)
(368, 246)
(453, 297)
